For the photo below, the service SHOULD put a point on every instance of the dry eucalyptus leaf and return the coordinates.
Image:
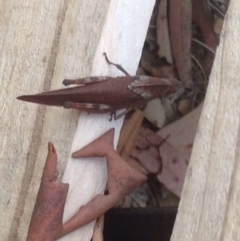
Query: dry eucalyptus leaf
(202, 17)
(180, 23)
(160, 158)
(181, 133)
(163, 32)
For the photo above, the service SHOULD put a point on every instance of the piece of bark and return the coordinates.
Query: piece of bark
(46, 222)
(47, 218)
(122, 179)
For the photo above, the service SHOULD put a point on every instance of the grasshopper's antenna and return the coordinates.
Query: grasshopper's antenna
(119, 67)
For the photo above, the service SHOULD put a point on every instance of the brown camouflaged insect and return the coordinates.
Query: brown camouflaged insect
(106, 94)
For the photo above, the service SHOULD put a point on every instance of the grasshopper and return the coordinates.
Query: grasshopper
(106, 94)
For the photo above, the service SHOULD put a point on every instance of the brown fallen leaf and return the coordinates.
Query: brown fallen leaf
(167, 164)
(180, 22)
(128, 133)
(171, 154)
(169, 160)
(163, 32)
(202, 17)
(181, 133)
(174, 167)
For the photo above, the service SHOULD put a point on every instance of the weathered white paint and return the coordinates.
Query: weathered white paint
(122, 39)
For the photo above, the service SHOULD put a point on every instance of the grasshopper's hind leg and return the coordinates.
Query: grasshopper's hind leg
(116, 116)
(94, 79)
(85, 81)
(116, 65)
(89, 107)
(95, 108)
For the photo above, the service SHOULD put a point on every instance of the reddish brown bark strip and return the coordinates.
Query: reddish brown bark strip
(46, 222)
(122, 179)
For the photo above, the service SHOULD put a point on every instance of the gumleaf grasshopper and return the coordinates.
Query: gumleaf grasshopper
(106, 94)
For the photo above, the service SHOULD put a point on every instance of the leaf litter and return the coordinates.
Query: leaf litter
(181, 43)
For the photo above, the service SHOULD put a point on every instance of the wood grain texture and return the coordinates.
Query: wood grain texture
(43, 43)
(209, 207)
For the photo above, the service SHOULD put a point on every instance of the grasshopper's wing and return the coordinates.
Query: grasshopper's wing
(149, 87)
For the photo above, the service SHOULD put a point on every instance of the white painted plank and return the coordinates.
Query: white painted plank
(122, 39)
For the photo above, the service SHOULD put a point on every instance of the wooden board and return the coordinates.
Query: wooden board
(43, 43)
(209, 207)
